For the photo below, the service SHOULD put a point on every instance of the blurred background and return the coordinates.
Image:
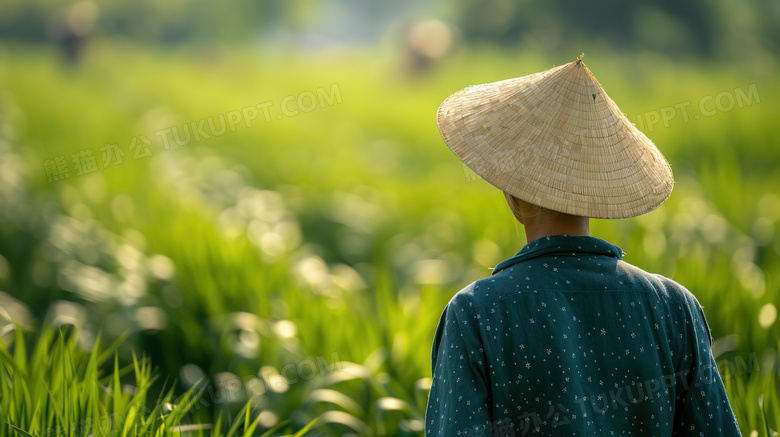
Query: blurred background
(256, 193)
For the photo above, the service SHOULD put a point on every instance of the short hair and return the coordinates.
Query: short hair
(536, 210)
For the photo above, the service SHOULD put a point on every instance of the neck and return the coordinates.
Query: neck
(560, 224)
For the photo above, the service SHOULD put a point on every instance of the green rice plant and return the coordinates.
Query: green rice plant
(58, 389)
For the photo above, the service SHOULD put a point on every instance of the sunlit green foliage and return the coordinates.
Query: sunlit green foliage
(301, 263)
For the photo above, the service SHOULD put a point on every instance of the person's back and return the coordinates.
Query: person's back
(567, 339)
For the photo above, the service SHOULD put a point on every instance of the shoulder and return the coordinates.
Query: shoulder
(483, 294)
(482, 291)
(464, 300)
(665, 288)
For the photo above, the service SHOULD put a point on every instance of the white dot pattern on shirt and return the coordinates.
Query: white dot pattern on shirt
(565, 348)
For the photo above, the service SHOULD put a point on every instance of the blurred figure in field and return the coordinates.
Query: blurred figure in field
(74, 27)
(425, 42)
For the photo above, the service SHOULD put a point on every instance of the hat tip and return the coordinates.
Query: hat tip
(579, 58)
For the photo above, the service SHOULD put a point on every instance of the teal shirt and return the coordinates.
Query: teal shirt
(566, 339)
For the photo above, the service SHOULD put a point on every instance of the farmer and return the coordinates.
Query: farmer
(565, 338)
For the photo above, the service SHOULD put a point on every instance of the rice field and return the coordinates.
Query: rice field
(244, 242)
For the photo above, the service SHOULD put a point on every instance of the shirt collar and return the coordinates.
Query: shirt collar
(563, 244)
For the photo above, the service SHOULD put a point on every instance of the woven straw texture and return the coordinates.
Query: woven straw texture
(555, 139)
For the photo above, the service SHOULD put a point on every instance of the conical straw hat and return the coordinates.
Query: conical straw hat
(555, 139)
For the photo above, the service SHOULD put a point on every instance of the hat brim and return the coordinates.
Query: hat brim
(555, 139)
